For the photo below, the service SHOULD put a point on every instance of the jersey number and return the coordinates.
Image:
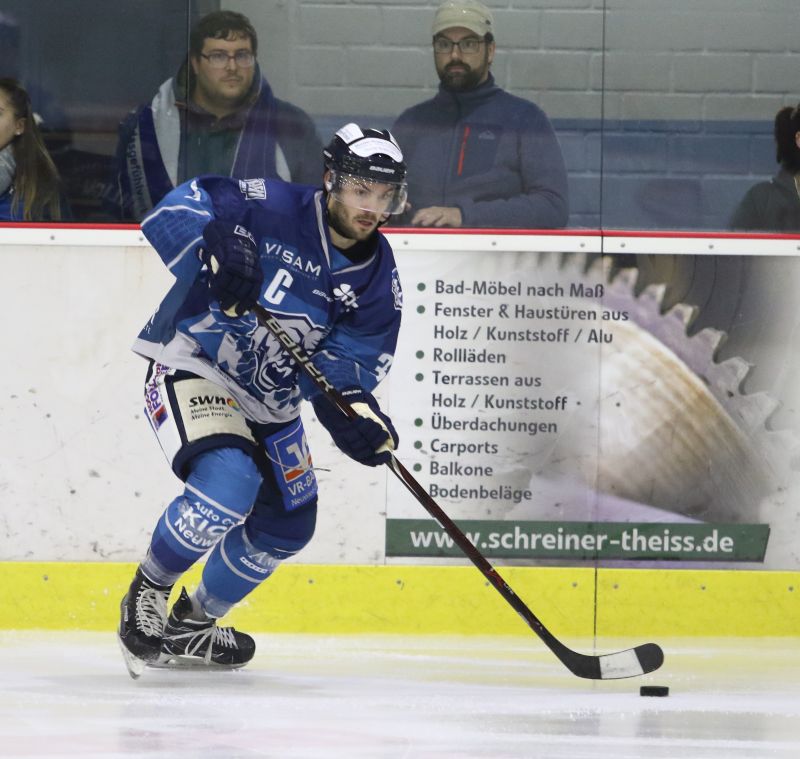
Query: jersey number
(384, 364)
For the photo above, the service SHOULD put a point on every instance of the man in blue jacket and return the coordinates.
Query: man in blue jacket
(479, 156)
(218, 115)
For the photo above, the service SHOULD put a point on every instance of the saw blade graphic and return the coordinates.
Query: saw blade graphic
(663, 427)
(724, 379)
(734, 321)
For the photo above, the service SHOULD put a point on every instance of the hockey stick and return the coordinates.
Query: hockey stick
(629, 663)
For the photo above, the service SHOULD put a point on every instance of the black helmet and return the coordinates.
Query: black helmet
(366, 170)
(368, 153)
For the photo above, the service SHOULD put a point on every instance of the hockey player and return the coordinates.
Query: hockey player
(222, 396)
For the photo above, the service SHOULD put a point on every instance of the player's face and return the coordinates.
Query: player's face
(351, 223)
(356, 205)
(459, 71)
(9, 123)
(224, 85)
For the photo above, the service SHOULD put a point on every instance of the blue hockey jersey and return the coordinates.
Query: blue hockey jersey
(345, 313)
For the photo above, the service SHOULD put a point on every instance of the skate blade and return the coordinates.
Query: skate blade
(171, 661)
(134, 664)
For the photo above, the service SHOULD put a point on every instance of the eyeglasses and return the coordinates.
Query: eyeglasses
(219, 60)
(468, 46)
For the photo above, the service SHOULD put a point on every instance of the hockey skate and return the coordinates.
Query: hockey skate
(143, 616)
(192, 643)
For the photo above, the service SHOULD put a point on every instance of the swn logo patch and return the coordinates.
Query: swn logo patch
(212, 400)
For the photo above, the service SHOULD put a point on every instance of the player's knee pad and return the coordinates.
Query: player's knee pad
(283, 537)
(219, 493)
(250, 562)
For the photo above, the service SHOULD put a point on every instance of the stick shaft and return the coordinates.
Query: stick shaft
(451, 528)
(580, 664)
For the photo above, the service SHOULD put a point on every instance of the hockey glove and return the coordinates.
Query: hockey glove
(235, 276)
(369, 437)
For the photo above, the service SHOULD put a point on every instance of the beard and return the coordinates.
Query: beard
(459, 77)
(343, 226)
(230, 94)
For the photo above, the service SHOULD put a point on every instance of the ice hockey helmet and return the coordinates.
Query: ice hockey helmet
(370, 153)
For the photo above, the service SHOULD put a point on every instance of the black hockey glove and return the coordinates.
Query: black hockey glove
(369, 437)
(235, 277)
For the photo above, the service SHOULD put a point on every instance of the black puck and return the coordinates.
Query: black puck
(654, 690)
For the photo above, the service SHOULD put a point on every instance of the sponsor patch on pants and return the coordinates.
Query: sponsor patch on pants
(291, 460)
(207, 409)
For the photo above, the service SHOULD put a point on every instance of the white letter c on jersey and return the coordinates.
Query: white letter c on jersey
(276, 290)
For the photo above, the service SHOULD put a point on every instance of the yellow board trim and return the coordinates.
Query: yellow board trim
(335, 599)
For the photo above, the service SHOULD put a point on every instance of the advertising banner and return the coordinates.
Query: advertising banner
(567, 399)
(621, 408)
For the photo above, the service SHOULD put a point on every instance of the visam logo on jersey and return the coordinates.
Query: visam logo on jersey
(290, 259)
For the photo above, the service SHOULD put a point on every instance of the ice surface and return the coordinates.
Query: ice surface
(387, 697)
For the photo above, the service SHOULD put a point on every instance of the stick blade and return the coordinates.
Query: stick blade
(631, 663)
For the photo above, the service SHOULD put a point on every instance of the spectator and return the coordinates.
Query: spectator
(774, 206)
(29, 182)
(50, 116)
(479, 156)
(218, 115)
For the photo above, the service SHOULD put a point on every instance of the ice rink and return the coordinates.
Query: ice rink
(69, 695)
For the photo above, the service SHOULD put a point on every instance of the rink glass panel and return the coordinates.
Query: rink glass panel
(664, 115)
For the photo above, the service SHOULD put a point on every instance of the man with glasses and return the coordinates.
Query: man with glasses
(479, 156)
(217, 116)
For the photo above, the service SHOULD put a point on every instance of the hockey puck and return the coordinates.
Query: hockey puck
(654, 690)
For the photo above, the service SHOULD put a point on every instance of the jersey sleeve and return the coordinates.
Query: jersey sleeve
(359, 350)
(175, 226)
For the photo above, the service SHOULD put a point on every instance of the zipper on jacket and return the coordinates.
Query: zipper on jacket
(462, 151)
